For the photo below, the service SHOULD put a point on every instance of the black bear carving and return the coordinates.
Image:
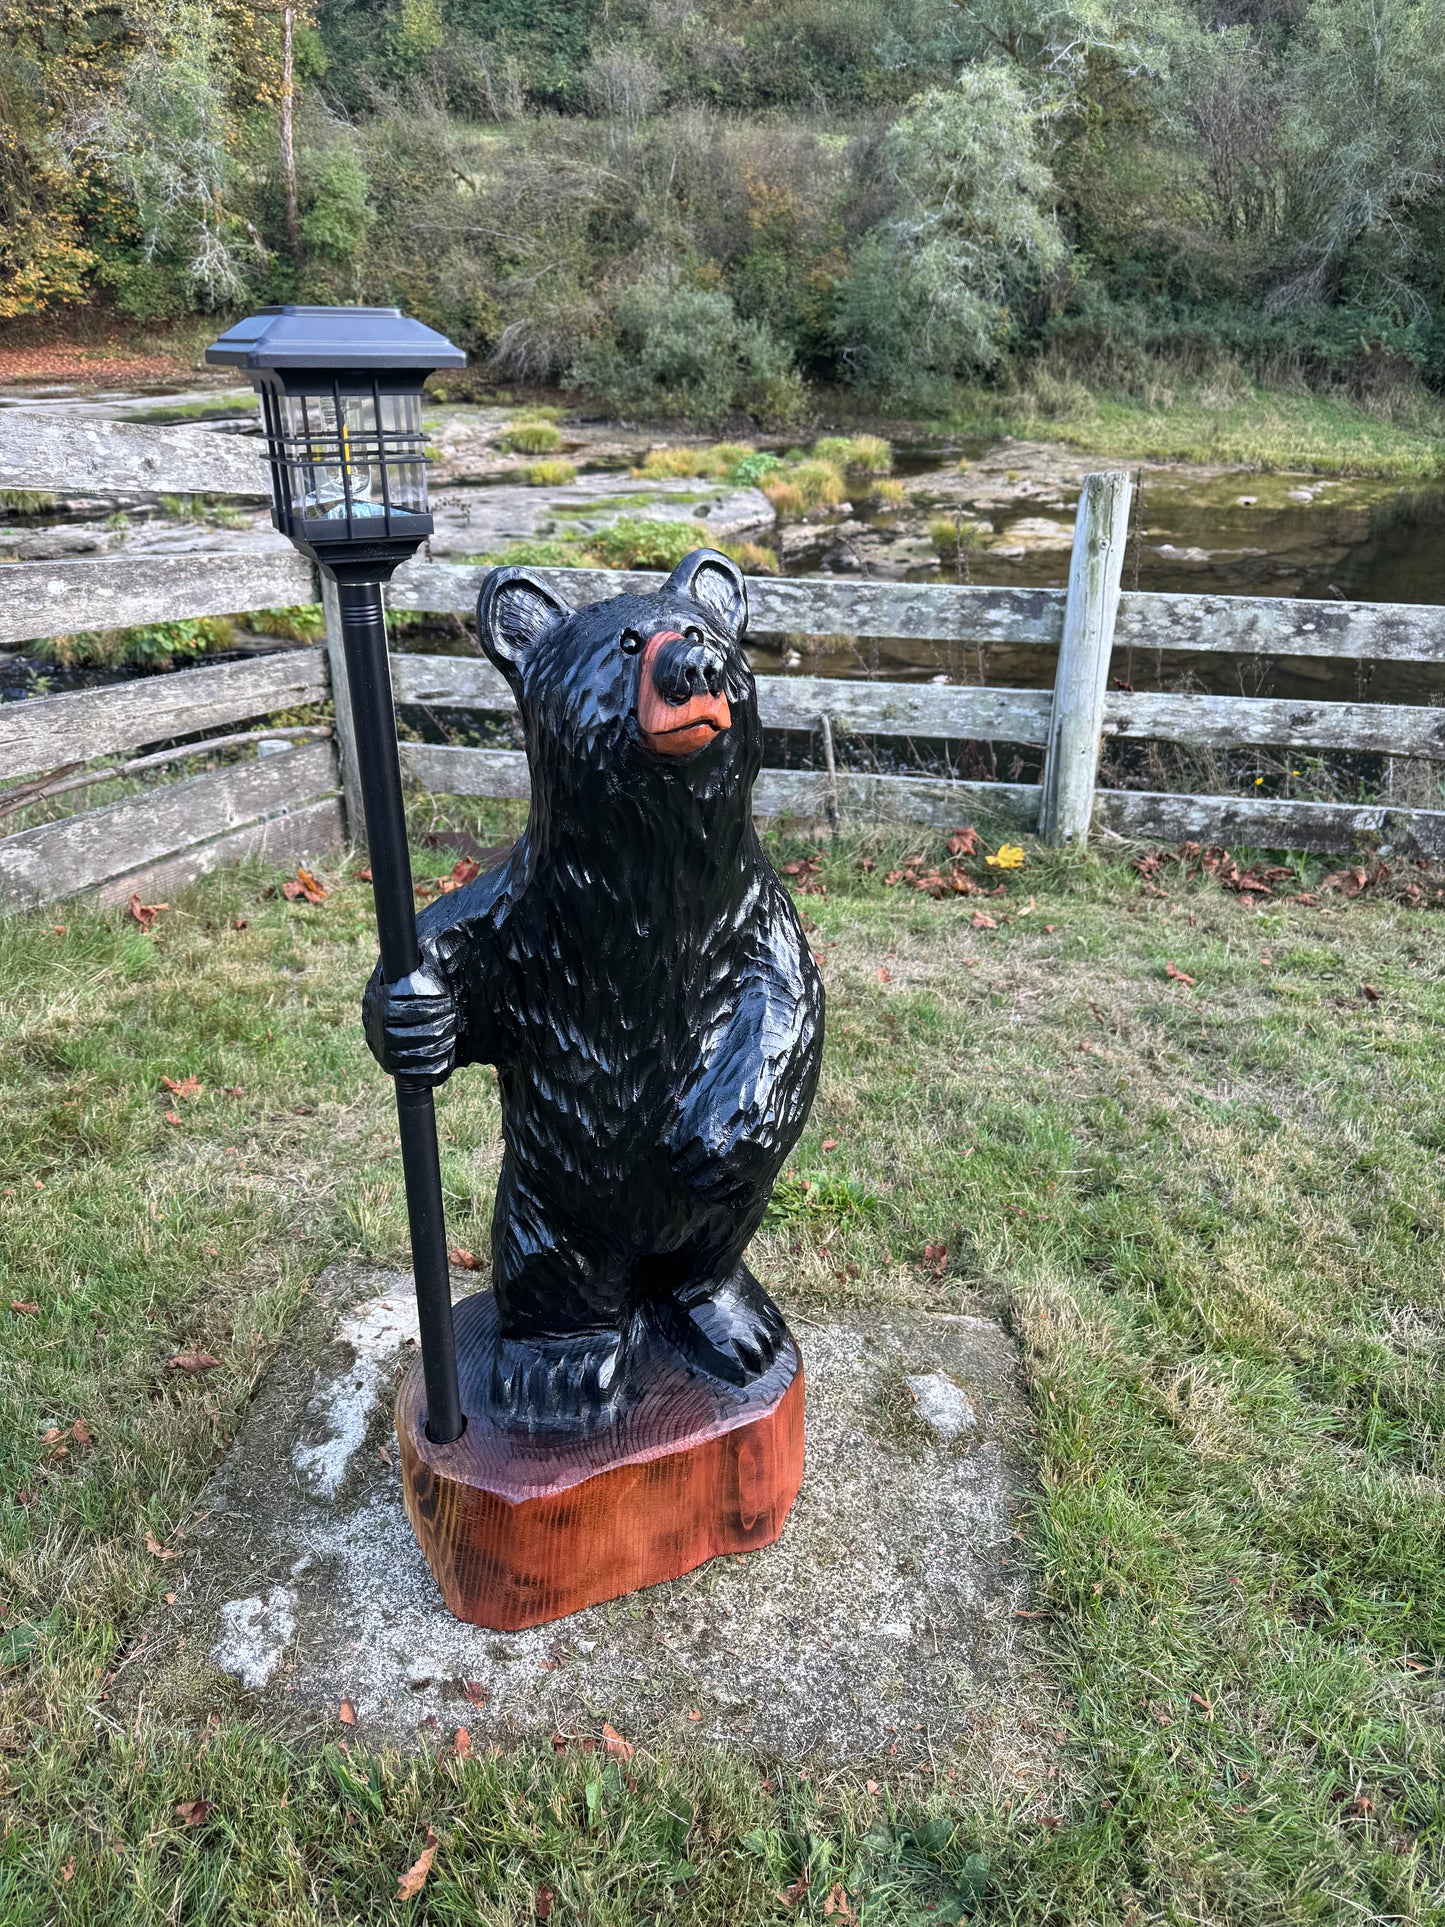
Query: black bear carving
(639, 977)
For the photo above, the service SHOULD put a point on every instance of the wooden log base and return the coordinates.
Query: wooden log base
(519, 1528)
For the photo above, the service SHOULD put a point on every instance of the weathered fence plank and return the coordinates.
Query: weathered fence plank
(1224, 722)
(779, 792)
(65, 598)
(56, 450)
(1266, 823)
(1274, 626)
(78, 852)
(310, 830)
(784, 702)
(803, 605)
(1076, 720)
(85, 723)
(935, 612)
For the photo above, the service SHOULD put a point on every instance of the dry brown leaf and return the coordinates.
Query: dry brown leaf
(155, 1548)
(67, 1872)
(542, 1905)
(465, 870)
(965, 842)
(837, 1902)
(23, 1304)
(410, 1883)
(981, 921)
(464, 1259)
(192, 1362)
(462, 1744)
(474, 1692)
(304, 884)
(193, 1812)
(616, 1747)
(188, 1086)
(1178, 976)
(82, 1433)
(795, 1895)
(830, 1144)
(885, 976)
(173, 1117)
(145, 914)
(346, 1713)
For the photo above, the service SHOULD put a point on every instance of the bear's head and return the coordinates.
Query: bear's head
(642, 703)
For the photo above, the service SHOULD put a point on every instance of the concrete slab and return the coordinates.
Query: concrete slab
(881, 1626)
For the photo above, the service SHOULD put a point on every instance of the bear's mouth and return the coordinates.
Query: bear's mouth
(673, 727)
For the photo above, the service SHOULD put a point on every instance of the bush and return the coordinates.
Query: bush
(751, 557)
(548, 474)
(804, 485)
(857, 454)
(530, 438)
(677, 461)
(671, 349)
(154, 645)
(889, 495)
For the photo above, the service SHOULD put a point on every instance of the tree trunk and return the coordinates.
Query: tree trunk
(288, 143)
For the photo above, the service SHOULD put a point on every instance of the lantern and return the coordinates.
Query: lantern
(341, 392)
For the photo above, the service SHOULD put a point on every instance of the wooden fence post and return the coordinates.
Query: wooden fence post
(341, 701)
(1071, 764)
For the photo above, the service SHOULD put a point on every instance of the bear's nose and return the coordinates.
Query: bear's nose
(688, 667)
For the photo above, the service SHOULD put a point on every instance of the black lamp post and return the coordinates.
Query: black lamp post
(341, 393)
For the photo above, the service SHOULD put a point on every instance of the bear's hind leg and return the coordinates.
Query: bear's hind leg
(728, 1326)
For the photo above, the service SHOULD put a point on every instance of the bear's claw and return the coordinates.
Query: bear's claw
(559, 1381)
(732, 1330)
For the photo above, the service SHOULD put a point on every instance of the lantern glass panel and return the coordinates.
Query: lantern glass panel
(353, 458)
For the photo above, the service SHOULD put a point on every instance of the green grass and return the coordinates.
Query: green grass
(1213, 1217)
(1179, 419)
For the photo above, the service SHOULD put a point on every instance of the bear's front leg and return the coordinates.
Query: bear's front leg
(738, 1121)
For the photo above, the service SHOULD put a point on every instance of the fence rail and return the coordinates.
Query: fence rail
(288, 804)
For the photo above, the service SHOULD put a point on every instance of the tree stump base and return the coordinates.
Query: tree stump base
(521, 1527)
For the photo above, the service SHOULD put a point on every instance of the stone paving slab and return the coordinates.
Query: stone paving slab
(883, 1625)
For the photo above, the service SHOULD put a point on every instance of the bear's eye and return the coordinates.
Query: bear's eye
(693, 636)
(631, 642)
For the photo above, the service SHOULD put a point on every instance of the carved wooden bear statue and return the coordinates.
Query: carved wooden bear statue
(638, 976)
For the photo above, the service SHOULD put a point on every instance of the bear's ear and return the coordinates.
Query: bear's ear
(717, 583)
(514, 611)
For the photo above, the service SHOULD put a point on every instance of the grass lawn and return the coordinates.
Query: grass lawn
(1211, 1213)
(1188, 420)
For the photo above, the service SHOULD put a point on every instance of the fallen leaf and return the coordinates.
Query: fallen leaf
(1008, 856)
(830, 1144)
(59, 929)
(361, 876)
(145, 914)
(797, 1893)
(474, 1692)
(240, 924)
(82, 1433)
(542, 1905)
(462, 1744)
(346, 1713)
(1360, 1806)
(965, 842)
(983, 922)
(694, 1716)
(67, 1872)
(22, 1304)
(464, 871)
(192, 1362)
(303, 884)
(885, 976)
(173, 1117)
(837, 1902)
(617, 1748)
(468, 1261)
(870, 1786)
(1179, 976)
(155, 1548)
(410, 1883)
(170, 1599)
(188, 1086)
(1372, 995)
(193, 1812)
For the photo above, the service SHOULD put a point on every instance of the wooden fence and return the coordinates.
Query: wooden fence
(303, 800)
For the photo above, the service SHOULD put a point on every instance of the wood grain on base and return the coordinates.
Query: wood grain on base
(519, 1528)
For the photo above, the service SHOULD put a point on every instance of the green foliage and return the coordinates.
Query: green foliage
(548, 474)
(530, 438)
(674, 349)
(154, 645)
(305, 622)
(26, 501)
(335, 226)
(645, 544)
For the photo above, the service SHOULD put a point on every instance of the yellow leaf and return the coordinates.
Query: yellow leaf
(1008, 857)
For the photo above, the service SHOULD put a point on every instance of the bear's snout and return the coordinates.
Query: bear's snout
(680, 701)
(683, 669)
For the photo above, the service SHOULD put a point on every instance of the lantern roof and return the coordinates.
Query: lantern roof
(341, 338)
